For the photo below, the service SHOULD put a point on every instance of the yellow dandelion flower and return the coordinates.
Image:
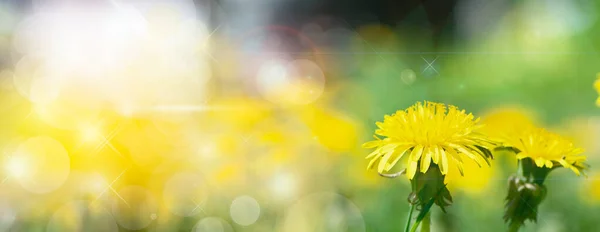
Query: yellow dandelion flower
(548, 150)
(426, 133)
(505, 122)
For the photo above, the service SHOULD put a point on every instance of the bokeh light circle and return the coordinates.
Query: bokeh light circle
(283, 186)
(88, 184)
(244, 210)
(308, 79)
(134, 211)
(25, 73)
(82, 216)
(184, 194)
(40, 164)
(271, 78)
(323, 212)
(212, 224)
(65, 114)
(408, 76)
(44, 90)
(298, 82)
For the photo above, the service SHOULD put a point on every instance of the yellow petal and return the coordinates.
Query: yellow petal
(425, 161)
(456, 157)
(567, 165)
(460, 168)
(400, 152)
(373, 154)
(539, 162)
(444, 166)
(416, 152)
(411, 169)
(522, 155)
(453, 154)
(468, 153)
(383, 161)
(389, 147)
(372, 144)
(574, 169)
(372, 162)
(436, 154)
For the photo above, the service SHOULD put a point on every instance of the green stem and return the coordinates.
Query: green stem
(409, 218)
(514, 227)
(425, 227)
(414, 226)
(426, 223)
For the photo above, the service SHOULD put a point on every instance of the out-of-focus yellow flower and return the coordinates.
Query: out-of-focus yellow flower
(229, 172)
(332, 129)
(591, 191)
(240, 113)
(144, 143)
(505, 122)
(597, 87)
(425, 133)
(475, 179)
(361, 178)
(548, 149)
(583, 131)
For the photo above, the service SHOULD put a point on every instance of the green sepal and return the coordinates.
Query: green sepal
(509, 149)
(522, 200)
(486, 152)
(430, 186)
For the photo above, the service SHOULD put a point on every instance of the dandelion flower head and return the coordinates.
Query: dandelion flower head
(427, 133)
(548, 150)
